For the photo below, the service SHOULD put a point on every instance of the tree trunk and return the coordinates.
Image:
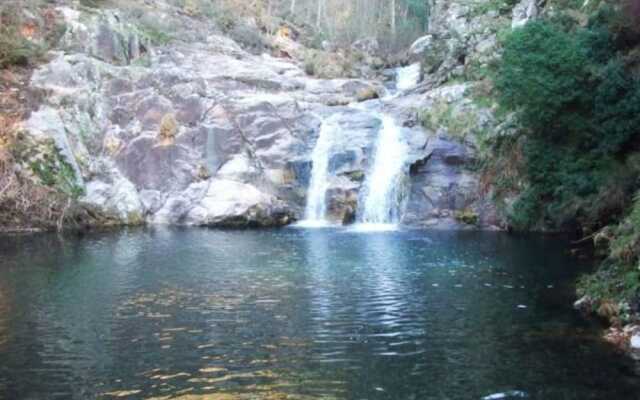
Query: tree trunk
(319, 16)
(393, 17)
(293, 8)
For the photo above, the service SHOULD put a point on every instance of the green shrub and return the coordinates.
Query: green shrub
(27, 29)
(54, 171)
(499, 6)
(468, 217)
(579, 108)
(618, 278)
(15, 49)
(458, 122)
(543, 74)
(92, 3)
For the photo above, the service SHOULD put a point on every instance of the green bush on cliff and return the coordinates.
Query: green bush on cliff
(579, 108)
(15, 49)
(27, 29)
(54, 171)
(618, 279)
(543, 75)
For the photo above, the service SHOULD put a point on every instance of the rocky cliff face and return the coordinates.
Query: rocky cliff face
(197, 131)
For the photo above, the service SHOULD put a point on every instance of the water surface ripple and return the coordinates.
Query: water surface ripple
(297, 314)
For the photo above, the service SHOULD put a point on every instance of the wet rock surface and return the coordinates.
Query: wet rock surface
(245, 126)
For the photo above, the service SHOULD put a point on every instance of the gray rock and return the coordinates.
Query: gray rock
(368, 45)
(583, 304)
(234, 204)
(525, 11)
(247, 124)
(421, 45)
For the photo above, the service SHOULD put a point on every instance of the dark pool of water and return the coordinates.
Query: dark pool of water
(297, 314)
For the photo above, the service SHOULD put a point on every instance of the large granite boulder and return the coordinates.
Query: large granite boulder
(238, 205)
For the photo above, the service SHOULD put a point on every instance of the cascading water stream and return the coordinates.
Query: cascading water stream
(408, 77)
(316, 209)
(383, 194)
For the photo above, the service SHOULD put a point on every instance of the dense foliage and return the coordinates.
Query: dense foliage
(394, 23)
(28, 28)
(15, 49)
(617, 281)
(578, 102)
(573, 85)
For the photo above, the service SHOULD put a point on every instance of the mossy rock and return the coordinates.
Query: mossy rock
(367, 94)
(357, 176)
(467, 217)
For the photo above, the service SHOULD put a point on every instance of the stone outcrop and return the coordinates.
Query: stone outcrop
(197, 131)
(525, 11)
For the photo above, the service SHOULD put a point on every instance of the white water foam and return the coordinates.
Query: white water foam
(408, 77)
(383, 194)
(316, 209)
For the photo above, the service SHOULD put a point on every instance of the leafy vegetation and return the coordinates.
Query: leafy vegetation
(499, 6)
(25, 36)
(579, 108)
(618, 280)
(15, 48)
(92, 3)
(395, 24)
(570, 84)
(458, 122)
(41, 194)
(55, 172)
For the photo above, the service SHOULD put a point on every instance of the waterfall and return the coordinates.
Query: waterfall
(316, 209)
(408, 77)
(383, 195)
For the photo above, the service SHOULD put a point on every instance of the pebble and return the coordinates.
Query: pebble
(522, 306)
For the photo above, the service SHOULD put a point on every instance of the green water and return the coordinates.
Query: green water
(297, 314)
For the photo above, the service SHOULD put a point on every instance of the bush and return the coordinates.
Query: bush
(618, 279)
(168, 129)
(579, 108)
(15, 49)
(92, 3)
(543, 74)
(27, 29)
(459, 122)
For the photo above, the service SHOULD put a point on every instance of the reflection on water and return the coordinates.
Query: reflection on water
(297, 314)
